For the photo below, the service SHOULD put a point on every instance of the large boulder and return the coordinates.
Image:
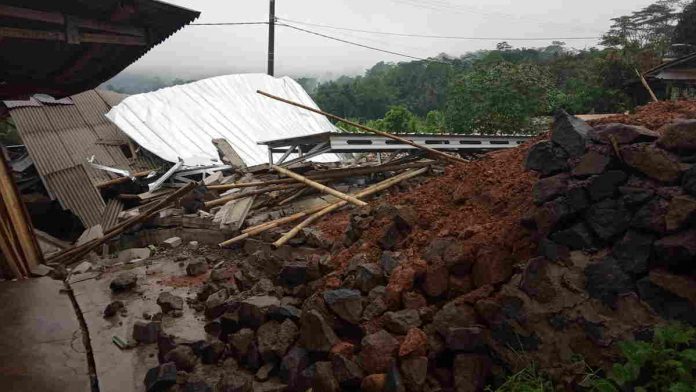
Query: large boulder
(606, 184)
(652, 161)
(679, 137)
(378, 351)
(622, 134)
(570, 133)
(546, 159)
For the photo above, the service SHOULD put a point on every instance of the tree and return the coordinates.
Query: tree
(499, 99)
(685, 31)
(398, 119)
(503, 46)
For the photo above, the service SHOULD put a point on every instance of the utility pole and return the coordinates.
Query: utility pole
(271, 39)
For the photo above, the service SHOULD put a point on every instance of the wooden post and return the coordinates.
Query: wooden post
(647, 86)
(432, 152)
(318, 186)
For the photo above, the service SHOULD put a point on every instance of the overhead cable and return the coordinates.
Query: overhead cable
(228, 24)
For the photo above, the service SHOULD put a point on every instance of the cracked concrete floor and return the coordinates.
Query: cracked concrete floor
(41, 346)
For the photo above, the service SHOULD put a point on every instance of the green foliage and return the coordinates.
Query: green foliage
(667, 363)
(399, 120)
(8, 132)
(502, 98)
(685, 31)
(527, 380)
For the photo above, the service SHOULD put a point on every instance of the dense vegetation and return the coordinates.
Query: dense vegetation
(504, 90)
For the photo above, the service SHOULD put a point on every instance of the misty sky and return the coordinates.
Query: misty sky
(198, 51)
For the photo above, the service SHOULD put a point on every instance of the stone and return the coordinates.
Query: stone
(264, 371)
(415, 343)
(389, 261)
(183, 358)
(470, 372)
(395, 382)
(551, 215)
(635, 197)
(413, 300)
(622, 134)
(400, 322)
(342, 348)
(82, 268)
(493, 268)
(378, 351)
(414, 371)
(671, 296)
(292, 365)
(241, 341)
(465, 339)
(368, 276)
(570, 133)
(322, 377)
(401, 280)
(316, 334)
(677, 250)
(375, 308)
(252, 311)
(553, 251)
(606, 184)
(652, 161)
(234, 382)
(606, 281)
(549, 188)
(197, 267)
(651, 216)
(114, 307)
(193, 245)
(160, 378)
(536, 281)
(275, 338)
(293, 273)
(458, 258)
(316, 238)
(689, 181)
(576, 199)
(576, 237)
(215, 305)
(173, 242)
(633, 252)
(681, 211)
(347, 373)
(453, 315)
(212, 352)
(374, 383)
(128, 255)
(347, 304)
(592, 163)
(608, 219)
(283, 312)
(546, 159)
(679, 137)
(229, 322)
(124, 281)
(221, 275)
(436, 279)
(459, 285)
(146, 332)
(195, 384)
(169, 302)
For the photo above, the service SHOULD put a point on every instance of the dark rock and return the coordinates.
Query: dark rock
(652, 161)
(124, 281)
(368, 276)
(389, 261)
(608, 218)
(671, 296)
(400, 322)
(268, 386)
(453, 315)
(197, 267)
(546, 159)
(146, 332)
(374, 383)
(436, 249)
(470, 372)
(689, 181)
(229, 323)
(457, 258)
(264, 371)
(111, 309)
(576, 199)
(375, 308)
(415, 343)
(221, 275)
(634, 197)
(507, 335)
(414, 371)
(436, 279)
(183, 358)
(253, 358)
(196, 384)
(241, 342)
(292, 365)
(576, 237)
(549, 188)
(606, 281)
(215, 304)
(252, 311)
(466, 339)
(680, 213)
(633, 252)
(347, 304)
(316, 238)
(206, 291)
(551, 215)
(294, 273)
(651, 217)
(347, 373)
(536, 281)
(316, 334)
(234, 382)
(321, 377)
(275, 338)
(622, 134)
(212, 352)
(169, 302)
(605, 185)
(570, 133)
(283, 312)
(679, 137)
(591, 164)
(678, 250)
(160, 378)
(394, 382)
(413, 300)
(378, 351)
(553, 251)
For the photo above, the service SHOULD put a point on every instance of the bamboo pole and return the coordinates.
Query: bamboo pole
(258, 229)
(318, 186)
(646, 85)
(432, 151)
(122, 180)
(241, 195)
(314, 217)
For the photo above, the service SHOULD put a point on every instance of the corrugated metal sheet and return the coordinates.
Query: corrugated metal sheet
(181, 121)
(110, 216)
(60, 139)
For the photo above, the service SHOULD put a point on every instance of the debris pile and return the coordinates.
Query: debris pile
(655, 115)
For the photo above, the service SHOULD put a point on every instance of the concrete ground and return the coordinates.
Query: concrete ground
(41, 345)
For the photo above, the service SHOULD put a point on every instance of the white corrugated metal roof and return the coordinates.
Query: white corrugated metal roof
(181, 121)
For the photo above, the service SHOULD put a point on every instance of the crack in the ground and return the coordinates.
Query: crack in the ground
(91, 365)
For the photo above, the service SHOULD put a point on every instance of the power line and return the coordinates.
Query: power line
(360, 45)
(439, 36)
(228, 24)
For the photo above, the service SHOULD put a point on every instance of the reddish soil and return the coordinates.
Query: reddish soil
(655, 115)
(185, 280)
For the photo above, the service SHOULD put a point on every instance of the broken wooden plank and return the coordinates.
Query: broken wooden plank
(318, 186)
(228, 154)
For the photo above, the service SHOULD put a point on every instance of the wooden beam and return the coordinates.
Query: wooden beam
(112, 39)
(318, 186)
